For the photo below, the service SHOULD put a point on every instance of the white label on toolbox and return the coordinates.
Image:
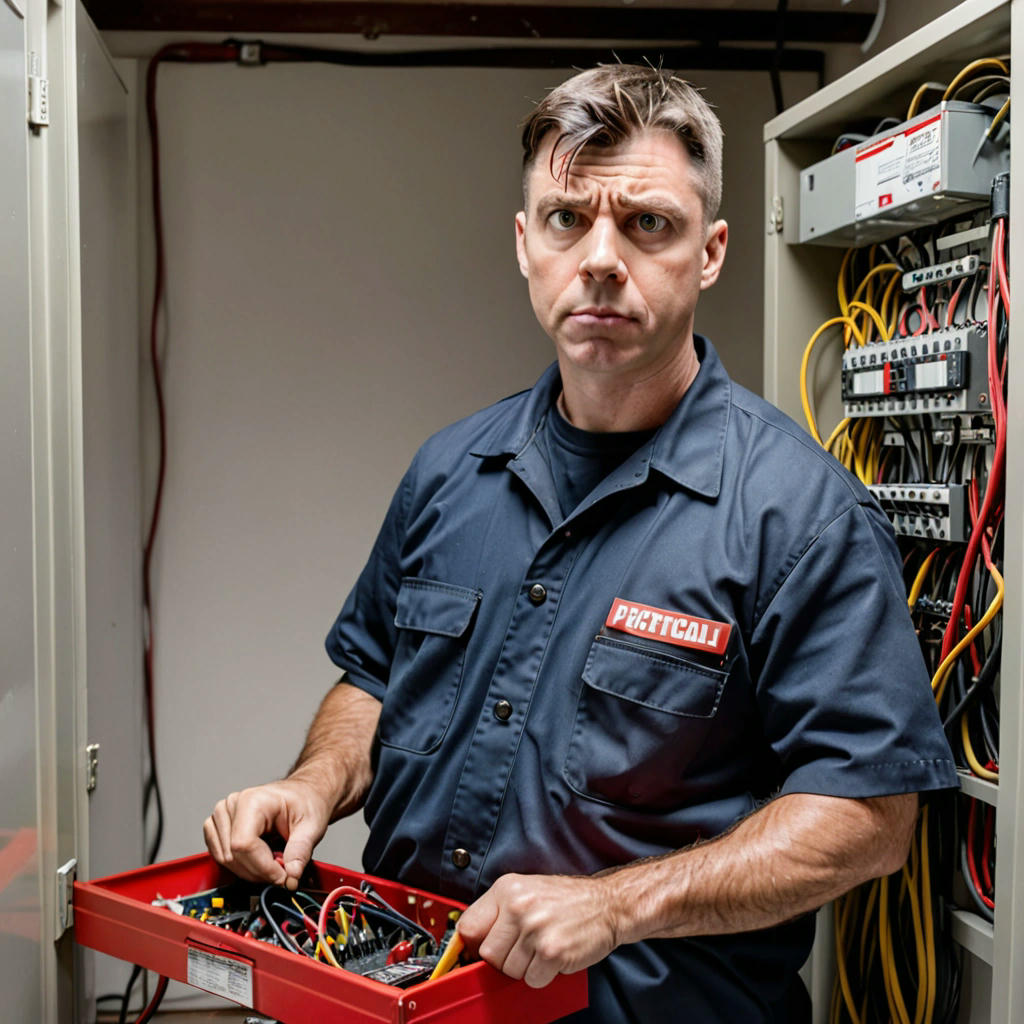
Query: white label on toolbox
(898, 169)
(220, 975)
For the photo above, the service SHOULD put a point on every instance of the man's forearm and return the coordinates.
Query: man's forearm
(336, 757)
(793, 855)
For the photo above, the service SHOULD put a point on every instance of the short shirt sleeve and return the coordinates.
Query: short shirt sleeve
(842, 686)
(362, 639)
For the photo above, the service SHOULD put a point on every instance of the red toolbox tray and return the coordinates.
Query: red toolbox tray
(115, 915)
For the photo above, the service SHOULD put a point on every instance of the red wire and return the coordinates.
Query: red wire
(972, 867)
(993, 488)
(154, 1003)
(986, 850)
(968, 624)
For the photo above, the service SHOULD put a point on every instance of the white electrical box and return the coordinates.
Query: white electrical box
(922, 171)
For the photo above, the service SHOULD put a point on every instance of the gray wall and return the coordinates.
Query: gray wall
(342, 282)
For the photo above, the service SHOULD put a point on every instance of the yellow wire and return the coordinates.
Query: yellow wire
(874, 314)
(975, 65)
(840, 915)
(804, 397)
(841, 282)
(919, 95)
(929, 933)
(910, 877)
(873, 272)
(893, 993)
(922, 575)
(976, 766)
(941, 676)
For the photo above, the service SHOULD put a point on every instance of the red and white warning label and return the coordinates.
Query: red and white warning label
(899, 168)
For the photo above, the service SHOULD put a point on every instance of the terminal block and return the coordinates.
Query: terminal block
(942, 372)
(928, 511)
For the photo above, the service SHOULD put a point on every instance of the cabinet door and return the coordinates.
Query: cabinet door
(20, 912)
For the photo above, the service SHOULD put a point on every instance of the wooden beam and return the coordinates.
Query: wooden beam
(499, 21)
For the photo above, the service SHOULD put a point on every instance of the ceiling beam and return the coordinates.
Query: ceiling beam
(506, 21)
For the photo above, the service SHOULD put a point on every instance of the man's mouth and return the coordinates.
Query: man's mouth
(601, 315)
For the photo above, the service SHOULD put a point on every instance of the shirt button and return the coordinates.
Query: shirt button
(502, 710)
(538, 594)
(460, 858)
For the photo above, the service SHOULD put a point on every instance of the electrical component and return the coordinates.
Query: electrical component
(364, 935)
(930, 511)
(918, 173)
(928, 373)
(914, 279)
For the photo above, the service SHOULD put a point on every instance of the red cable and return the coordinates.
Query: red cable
(968, 625)
(971, 866)
(995, 477)
(153, 1005)
(986, 850)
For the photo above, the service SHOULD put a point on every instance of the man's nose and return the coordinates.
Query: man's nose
(602, 256)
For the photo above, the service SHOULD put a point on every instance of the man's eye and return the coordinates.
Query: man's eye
(650, 222)
(564, 219)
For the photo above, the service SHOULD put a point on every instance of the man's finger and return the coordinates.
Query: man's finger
(251, 856)
(297, 851)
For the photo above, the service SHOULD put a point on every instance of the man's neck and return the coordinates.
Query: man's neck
(604, 402)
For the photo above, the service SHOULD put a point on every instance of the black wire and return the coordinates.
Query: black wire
(126, 998)
(780, 45)
(982, 682)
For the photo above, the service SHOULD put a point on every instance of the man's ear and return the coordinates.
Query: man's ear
(524, 263)
(714, 253)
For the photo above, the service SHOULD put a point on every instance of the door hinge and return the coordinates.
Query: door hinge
(92, 760)
(65, 895)
(775, 219)
(38, 95)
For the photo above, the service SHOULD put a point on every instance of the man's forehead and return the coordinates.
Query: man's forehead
(652, 161)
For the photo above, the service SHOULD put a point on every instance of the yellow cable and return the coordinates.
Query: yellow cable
(874, 314)
(941, 676)
(839, 919)
(922, 575)
(841, 282)
(915, 103)
(975, 65)
(910, 877)
(834, 436)
(929, 932)
(976, 766)
(874, 271)
(804, 397)
(897, 1007)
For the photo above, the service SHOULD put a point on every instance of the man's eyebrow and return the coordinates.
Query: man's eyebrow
(562, 201)
(652, 204)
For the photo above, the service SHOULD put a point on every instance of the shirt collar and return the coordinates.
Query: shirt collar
(688, 448)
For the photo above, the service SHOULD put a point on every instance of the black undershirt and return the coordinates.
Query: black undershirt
(580, 459)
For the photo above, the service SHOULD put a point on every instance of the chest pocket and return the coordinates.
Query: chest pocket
(433, 621)
(641, 717)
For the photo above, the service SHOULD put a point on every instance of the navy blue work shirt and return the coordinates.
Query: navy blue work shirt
(527, 727)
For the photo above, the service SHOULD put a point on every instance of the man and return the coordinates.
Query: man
(630, 668)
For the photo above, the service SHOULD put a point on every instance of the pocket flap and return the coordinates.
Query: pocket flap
(653, 679)
(433, 607)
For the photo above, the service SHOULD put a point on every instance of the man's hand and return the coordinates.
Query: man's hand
(292, 808)
(329, 780)
(537, 926)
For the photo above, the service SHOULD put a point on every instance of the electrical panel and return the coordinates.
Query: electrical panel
(917, 324)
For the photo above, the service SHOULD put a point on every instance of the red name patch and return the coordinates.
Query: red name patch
(672, 627)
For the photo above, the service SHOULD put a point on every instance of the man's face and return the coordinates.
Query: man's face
(617, 259)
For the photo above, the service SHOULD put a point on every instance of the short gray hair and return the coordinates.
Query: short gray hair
(606, 105)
